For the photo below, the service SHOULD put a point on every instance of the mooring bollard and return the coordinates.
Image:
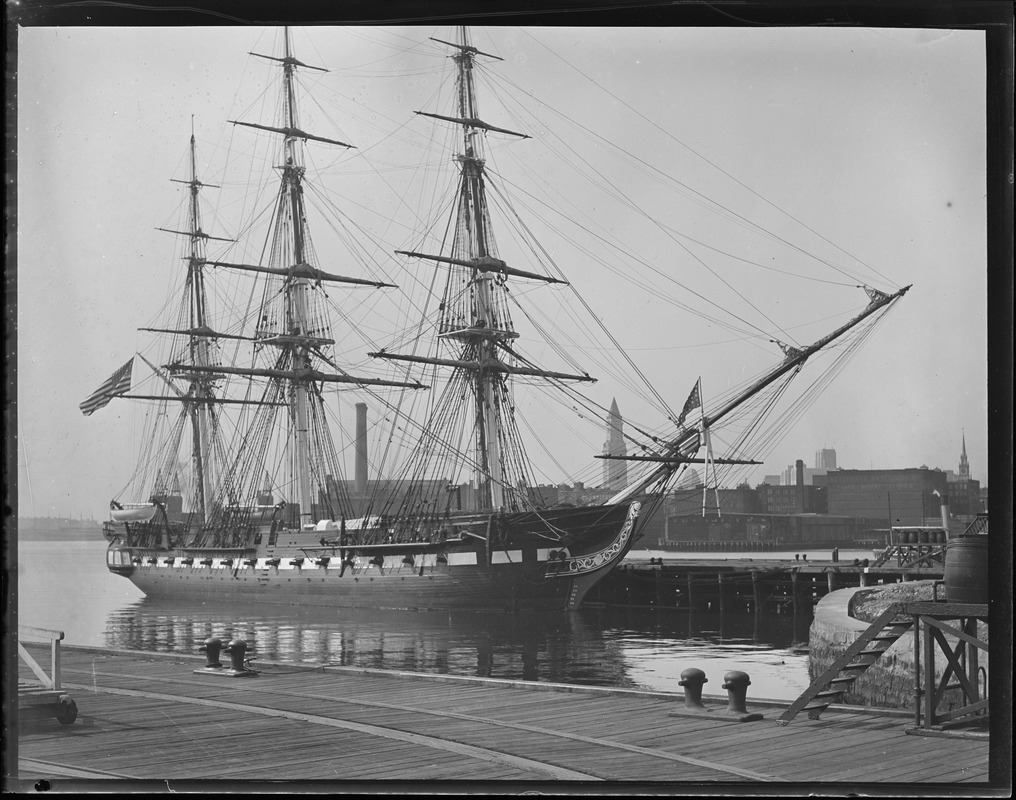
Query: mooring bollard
(237, 648)
(692, 680)
(211, 648)
(736, 683)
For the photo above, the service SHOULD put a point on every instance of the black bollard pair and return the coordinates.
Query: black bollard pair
(237, 650)
(736, 683)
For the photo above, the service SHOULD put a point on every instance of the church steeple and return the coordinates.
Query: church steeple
(964, 470)
(615, 473)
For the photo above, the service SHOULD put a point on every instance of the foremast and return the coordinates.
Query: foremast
(683, 448)
(474, 319)
(476, 242)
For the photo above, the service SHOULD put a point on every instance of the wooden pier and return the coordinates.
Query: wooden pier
(742, 581)
(152, 717)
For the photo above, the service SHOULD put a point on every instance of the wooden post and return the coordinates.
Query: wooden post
(689, 591)
(754, 588)
(929, 677)
(831, 581)
(917, 671)
(793, 602)
(719, 583)
(55, 662)
(864, 578)
(969, 627)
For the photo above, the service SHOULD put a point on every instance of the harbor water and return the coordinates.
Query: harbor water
(64, 585)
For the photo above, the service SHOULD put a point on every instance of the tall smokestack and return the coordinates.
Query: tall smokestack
(360, 484)
(800, 486)
(945, 513)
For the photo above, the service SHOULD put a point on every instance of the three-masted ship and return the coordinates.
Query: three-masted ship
(267, 516)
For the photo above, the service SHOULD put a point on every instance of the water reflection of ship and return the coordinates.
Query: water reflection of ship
(593, 647)
(543, 646)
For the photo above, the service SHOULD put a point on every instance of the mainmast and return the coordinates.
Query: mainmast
(293, 319)
(296, 294)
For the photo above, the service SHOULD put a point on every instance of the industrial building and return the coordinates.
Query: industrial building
(824, 506)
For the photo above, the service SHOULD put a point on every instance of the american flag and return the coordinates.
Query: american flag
(117, 383)
(694, 401)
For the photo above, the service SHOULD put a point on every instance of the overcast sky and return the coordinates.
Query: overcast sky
(869, 142)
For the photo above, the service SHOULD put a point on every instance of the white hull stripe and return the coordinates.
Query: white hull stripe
(390, 562)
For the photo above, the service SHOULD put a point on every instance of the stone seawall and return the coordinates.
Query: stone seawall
(889, 682)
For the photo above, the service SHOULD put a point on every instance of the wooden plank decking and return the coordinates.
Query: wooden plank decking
(146, 716)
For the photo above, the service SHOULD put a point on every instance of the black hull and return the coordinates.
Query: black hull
(513, 565)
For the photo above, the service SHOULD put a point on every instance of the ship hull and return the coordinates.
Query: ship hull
(512, 566)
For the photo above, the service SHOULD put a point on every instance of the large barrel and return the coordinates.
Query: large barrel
(966, 569)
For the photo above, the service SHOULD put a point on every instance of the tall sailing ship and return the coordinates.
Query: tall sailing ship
(239, 495)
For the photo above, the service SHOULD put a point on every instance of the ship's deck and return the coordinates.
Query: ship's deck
(150, 717)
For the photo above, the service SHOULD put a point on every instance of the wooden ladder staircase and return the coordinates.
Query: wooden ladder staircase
(828, 687)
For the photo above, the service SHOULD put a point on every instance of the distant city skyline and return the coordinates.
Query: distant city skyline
(825, 460)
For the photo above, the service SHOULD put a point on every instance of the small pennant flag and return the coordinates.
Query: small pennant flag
(117, 383)
(694, 401)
